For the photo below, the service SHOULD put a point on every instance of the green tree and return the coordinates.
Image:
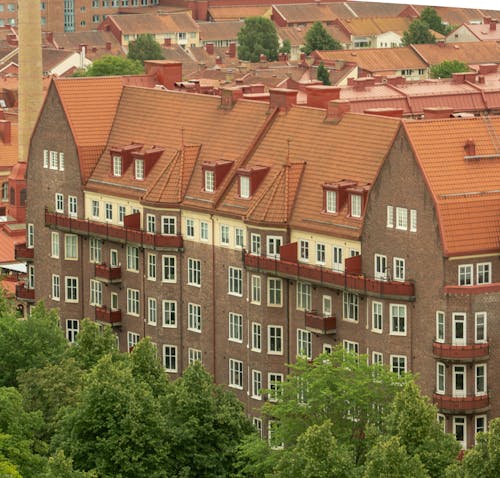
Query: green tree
(434, 22)
(8, 470)
(258, 36)
(317, 38)
(323, 75)
(446, 68)
(31, 343)
(59, 466)
(145, 47)
(110, 65)
(418, 32)
(286, 47)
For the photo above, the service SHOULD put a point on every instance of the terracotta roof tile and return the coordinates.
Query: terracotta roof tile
(313, 12)
(8, 152)
(135, 24)
(94, 40)
(296, 34)
(454, 16)
(376, 25)
(376, 9)
(219, 14)
(213, 31)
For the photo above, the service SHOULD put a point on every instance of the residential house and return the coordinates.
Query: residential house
(220, 34)
(467, 32)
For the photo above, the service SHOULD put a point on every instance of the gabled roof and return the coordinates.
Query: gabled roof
(213, 31)
(376, 9)
(135, 24)
(465, 191)
(96, 43)
(312, 12)
(466, 52)
(376, 25)
(8, 152)
(238, 12)
(296, 34)
(483, 32)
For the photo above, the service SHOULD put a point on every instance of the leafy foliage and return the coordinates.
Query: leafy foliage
(317, 38)
(446, 68)
(286, 47)
(434, 22)
(145, 47)
(418, 32)
(258, 36)
(110, 65)
(323, 75)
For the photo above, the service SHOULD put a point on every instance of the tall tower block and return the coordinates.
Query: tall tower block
(30, 72)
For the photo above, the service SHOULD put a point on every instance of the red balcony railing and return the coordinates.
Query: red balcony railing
(86, 227)
(341, 280)
(103, 314)
(322, 325)
(469, 404)
(461, 352)
(23, 293)
(472, 289)
(21, 252)
(108, 273)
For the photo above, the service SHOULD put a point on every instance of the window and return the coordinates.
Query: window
(72, 206)
(121, 214)
(169, 269)
(95, 293)
(274, 339)
(194, 272)
(168, 225)
(377, 358)
(238, 237)
(256, 337)
(256, 289)
(481, 379)
(190, 228)
(151, 266)
(53, 156)
(113, 258)
(59, 203)
(480, 328)
(380, 267)
(71, 284)
(54, 249)
(132, 302)
(441, 419)
(152, 311)
(465, 274)
(304, 343)
(483, 273)
(390, 216)
(398, 319)
(194, 317)
(459, 430)
(170, 358)
(255, 244)
(235, 285)
(402, 218)
(169, 313)
(459, 331)
(139, 169)
(114, 301)
(117, 166)
(355, 205)
(132, 340)
(480, 423)
(274, 381)
(257, 423)
(398, 364)
(304, 250)
(273, 246)
(71, 246)
(377, 316)
(274, 296)
(351, 306)
(235, 327)
(108, 211)
(209, 181)
(331, 201)
(304, 295)
(151, 223)
(31, 276)
(235, 373)
(440, 378)
(440, 327)
(72, 329)
(459, 379)
(133, 258)
(45, 151)
(257, 384)
(95, 250)
(224, 234)
(30, 236)
(320, 253)
(352, 347)
(56, 287)
(399, 269)
(95, 208)
(203, 230)
(194, 355)
(327, 306)
(338, 262)
(244, 187)
(413, 220)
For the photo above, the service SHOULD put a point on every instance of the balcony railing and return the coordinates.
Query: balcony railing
(108, 274)
(23, 293)
(329, 277)
(320, 325)
(472, 289)
(113, 317)
(86, 227)
(461, 352)
(470, 404)
(22, 253)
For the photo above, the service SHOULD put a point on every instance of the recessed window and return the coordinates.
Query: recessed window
(71, 286)
(440, 378)
(244, 187)
(194, 317)
(274, 292)
(168, 268)
(304, 343)
(59, 203)
(440, 326)
(390, 217)
(484, 273)
(398, 364)
(255, 244)
(169, 313)
(399, 269)
(235, 282)
(117, 166)
(351, 306)
(481, 327)
(257, 384)
(133, 302)
(304, 250)
(194, 355)
(401, 218)
(304, 295)
(139, 169)
(398, 319)
(209, 181)
(355, 205)
(235, 373)
(377, 316)
(275, 339)
(170, 358)
(465, 274)
(256, 337)
(168, 225)
(194, 272)
(235, 327)
(331, 201)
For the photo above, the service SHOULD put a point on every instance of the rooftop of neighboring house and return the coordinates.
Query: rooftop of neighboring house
(466, 52)
(213, 31)
(237, 12)
(177, 53)
(488, 31)
(96, 43)
(51, 59)
(8, 144)
(456, 16)
(296, 34)
(301, 14)
(375, 25)
(210, 56)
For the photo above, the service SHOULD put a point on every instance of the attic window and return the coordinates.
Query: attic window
(117, 166)
(356, 202)
(214, 174)
(209, 181)
(250, 179)
(330, 201)
(244, 187)
(139, 169)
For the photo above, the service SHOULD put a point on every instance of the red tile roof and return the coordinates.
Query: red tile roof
(236, 12)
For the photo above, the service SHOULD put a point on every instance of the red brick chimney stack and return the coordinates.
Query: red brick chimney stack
(232, 50)
(470, 147)
(493, 24)
(282, 98)
(210, 48)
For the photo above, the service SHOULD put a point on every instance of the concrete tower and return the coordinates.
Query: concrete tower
(30, 72)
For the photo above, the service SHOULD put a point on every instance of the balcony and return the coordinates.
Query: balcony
(467, 405)
(23, 253)
(472, 289)
(461, 353)
(318, 324)
(330, 278)
(113, 317)
(23, 293)
(108, 274)
(103, 230)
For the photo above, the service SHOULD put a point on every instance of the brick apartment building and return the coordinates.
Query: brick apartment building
(242, 233)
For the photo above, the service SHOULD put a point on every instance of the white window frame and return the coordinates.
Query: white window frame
(151, 223)
(235, 281)
(256, 345)
(169, 313)
(169, 225)
(256, 283)
(194, 317)
(239, 240)
(273, 244)
(356, 205)
(55, 245)
(304, 343)
(320, 253)
(244, 187)
(350, 306)
(380, 264)
(256, 385)
(236, 374)
(225, 235)
(133, 302)
(151, 266)
(122, 212)
(440, 378)
(457, 318)
(194, 272)
(274, 381)
(204, 231)
(459, 370)
(398, 320)
(117, 166)
(56, 287)
(481, 318)
(72, 329)
(132, 340)
(377, 317)
(327, 305)
(484, 427)
(194, 355)
(95, 293)
(190, 232)
(255, 244)
(304, 296)
(59, 203)
(152, 311)
(169, 268)
(274, 292)
(338, 258)
(460, 422)
(170, 358)
(413, 220)
(72, 206)
(399, 269)
(275, 339)
(396, 364)
(70, 247)
(465, 275)
(351, 346)
(139, 169)
(95, 208)
(95, 250)
(132, 258)
(440, 326)
(209, 181)
(235, 327)
(108, 211)
(483, 273)
(390, 217)
(30, 236)
(331, 201)
(304, 250)
(377, 358)
(402, 218)
(71, 285)
(481, 388)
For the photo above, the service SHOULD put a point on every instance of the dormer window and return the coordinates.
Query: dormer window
(330, 201)
(139, 169)
(356, 201)
(250, 179)
(214, 174)
(117, 166)
(209, 181)
(244, 187)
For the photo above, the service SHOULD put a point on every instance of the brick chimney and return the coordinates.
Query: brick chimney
(337, 109)
(486, 20)
(437, 112)
(229, 97)
(493, 24)
(167, 42)
(282, 98)
(470, 148)
(5, 131)
(460, 78)
(318, 96)
(210, 48)
(167, 72)
(232, 50)
(486, 68)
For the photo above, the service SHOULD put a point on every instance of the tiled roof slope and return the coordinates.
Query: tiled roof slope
(90, 106)
(238, 12)
(376, 25)
(8, 152)
(466, 191)
(151, 23)
(312, 12)
(211, 31)
(376, 9)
